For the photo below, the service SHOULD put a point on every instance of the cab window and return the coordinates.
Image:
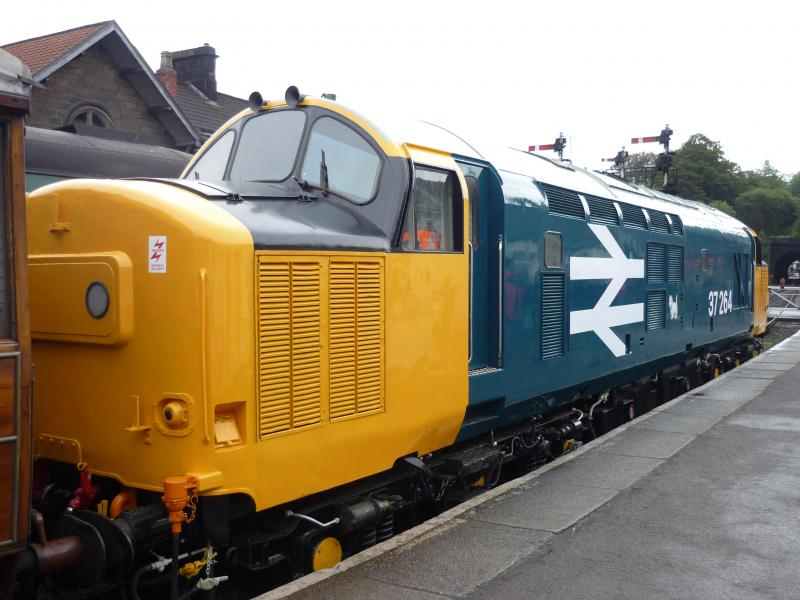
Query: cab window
(211, 166)
(434, 222)
(342, 161)
(268, 146)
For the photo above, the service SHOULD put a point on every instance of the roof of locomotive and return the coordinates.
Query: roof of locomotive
(395, 133)
(565, 175)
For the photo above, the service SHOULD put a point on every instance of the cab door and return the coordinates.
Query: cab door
(485, 247)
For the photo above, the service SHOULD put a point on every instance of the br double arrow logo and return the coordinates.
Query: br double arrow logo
(618, 268)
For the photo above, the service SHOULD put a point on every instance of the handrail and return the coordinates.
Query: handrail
(471, 298)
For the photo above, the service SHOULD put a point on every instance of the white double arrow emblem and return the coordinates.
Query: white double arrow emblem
(618, 268)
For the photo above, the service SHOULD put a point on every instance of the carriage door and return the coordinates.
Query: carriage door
(485, 252)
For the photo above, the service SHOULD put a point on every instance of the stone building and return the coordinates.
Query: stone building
(94, 82)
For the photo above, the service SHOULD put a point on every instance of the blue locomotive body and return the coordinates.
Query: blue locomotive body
(583, 282)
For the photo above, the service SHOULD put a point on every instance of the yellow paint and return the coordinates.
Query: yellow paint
(58, 284)
(327, 554)
(716, 372)
(196, 330)
(760, 299)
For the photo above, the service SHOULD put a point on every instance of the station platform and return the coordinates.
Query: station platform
(700, 498)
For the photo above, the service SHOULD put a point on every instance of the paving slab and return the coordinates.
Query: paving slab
(450, 562)
(678, 423)
(647, 443)
(544, 505)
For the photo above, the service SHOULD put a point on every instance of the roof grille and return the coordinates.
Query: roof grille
(677, 225)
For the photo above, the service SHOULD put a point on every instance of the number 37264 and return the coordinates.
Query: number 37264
(720, 302)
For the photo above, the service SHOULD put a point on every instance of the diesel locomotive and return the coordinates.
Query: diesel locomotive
(322, 333)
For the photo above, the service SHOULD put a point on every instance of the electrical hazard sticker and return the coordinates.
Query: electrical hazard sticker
(158, 254)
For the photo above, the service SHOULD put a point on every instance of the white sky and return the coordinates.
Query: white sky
(513, 72)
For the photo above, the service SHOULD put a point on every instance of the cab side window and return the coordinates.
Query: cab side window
(211, 166)
(434, 220)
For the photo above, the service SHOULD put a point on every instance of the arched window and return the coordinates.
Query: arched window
(91, 115)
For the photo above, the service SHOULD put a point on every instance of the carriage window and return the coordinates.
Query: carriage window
(434, 221)
(268, 146)
(211, 166)
(552, 250)
(341, 160)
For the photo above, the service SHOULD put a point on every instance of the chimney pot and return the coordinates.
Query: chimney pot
(167, 75)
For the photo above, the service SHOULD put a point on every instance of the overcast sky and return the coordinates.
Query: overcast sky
(513, 72)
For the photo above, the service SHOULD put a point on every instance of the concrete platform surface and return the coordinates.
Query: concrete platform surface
(699, 498)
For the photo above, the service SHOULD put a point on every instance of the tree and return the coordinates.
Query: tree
(794, 185)
(704, 173)
(767, 210)
(766, 176)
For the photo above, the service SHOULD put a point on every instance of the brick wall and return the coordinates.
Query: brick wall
(93, 78)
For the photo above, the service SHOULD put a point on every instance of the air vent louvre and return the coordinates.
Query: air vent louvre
(658, 221)
(656, 309)
(656, 263)
(675, 264)
(552, 315)
(563, 202)
(289, 345)
(602, 211)
(677, 225)
(633, 216)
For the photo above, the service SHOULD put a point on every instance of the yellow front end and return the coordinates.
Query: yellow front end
(760, 299)
(273, 374)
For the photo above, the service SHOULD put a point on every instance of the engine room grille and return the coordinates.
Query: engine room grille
(552, 315)
(297, 350)
(675, 264)
(563, 202)
(656, 309)
(288, 345)
(356, 332)
(656, 263)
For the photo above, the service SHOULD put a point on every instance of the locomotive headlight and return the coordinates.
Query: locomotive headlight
(175, 414)
(97, 299)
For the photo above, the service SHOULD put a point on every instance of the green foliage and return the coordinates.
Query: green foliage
(766, 176)
(794, 185)
(723, 206)
(704, 172)
(768, 210)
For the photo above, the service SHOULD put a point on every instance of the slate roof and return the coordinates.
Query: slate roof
(40, 51)
(207, 116)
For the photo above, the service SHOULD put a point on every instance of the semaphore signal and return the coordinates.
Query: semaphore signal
(558, 146)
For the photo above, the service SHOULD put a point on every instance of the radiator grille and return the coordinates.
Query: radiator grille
(563, 202)
(602, 211)
(656, 310)
(552, 315)
(633, 216)
(656, 263)
(675, 264)
(289, 345)
(356, 332)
